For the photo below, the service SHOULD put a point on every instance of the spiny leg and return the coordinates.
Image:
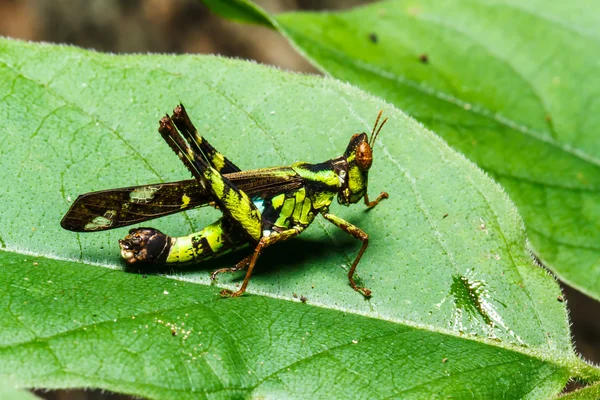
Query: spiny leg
(233, 202)
(199, 144)
(359, 234)
(169, 133)
(263, 242)
(371, 204)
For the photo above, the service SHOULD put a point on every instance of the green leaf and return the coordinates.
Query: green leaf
(8, 392)
(112, 330)
(457, 308)
(240, 11)
(512, 85)
(588, 393)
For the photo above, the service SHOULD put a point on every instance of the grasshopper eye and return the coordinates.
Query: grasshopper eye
(364, 156)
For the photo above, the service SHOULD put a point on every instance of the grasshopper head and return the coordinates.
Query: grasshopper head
(359, 156)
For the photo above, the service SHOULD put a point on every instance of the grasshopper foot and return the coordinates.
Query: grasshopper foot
(229, 293)
(362, 290)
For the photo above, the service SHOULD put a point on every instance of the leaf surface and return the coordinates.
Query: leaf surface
(512, 85)
(458, 306)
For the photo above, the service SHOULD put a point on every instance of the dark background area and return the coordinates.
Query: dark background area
(186, 26)
(156, 26)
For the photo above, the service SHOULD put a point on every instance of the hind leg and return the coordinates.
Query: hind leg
(232, 201)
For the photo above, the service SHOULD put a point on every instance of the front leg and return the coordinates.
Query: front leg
(371, 204)
(265, 241)
(357, 233)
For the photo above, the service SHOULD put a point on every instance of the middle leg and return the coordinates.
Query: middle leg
(237, 267)
(265, 241)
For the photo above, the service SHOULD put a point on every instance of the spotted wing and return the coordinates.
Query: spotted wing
(115, 208)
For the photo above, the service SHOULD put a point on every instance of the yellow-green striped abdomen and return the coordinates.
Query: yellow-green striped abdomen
(214, 240)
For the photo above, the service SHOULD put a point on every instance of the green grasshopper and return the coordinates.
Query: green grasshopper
(260, 207)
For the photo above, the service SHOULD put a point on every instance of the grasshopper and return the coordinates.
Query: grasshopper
(260, 207)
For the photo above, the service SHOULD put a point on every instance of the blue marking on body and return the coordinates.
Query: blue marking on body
(259, 203)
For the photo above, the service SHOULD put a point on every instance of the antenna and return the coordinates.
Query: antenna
(374, 133)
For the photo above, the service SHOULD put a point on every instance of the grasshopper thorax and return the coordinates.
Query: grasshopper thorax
(359, 158)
